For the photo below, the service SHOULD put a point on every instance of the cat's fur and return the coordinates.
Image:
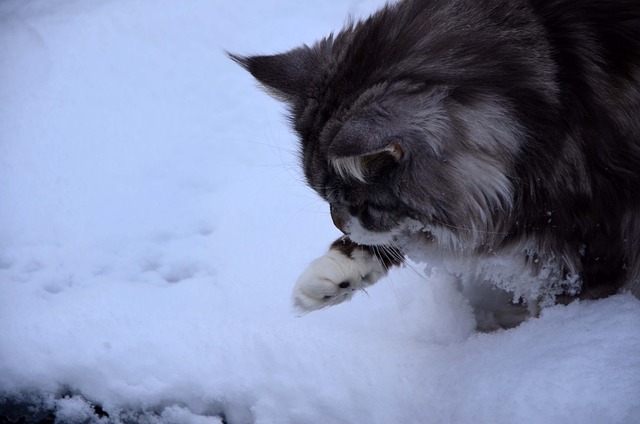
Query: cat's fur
(498, 137)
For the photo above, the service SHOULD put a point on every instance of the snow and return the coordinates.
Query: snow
(154, 220)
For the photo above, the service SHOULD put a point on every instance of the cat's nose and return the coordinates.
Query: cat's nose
(340, 217)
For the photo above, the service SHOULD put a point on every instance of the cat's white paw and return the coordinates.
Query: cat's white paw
(334, 278)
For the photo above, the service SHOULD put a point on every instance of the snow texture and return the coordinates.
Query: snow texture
(154, 220)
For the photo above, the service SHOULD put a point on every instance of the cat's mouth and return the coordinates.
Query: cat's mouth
(392, 237)
(352, 227)
(361, 235)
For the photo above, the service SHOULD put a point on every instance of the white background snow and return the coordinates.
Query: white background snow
(153, 220)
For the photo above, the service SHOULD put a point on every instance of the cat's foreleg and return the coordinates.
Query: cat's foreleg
(344, 269)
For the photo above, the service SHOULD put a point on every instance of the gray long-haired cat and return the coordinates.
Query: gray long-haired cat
(499, 139)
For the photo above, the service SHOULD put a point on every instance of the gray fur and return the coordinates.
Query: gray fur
(515, 126)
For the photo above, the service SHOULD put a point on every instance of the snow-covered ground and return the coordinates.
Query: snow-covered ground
(153, 220)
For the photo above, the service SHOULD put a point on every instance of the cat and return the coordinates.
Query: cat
(497, 139)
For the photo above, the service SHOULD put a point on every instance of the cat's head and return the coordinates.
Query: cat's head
(395, 143)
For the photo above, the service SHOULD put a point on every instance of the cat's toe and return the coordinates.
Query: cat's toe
(307, 301)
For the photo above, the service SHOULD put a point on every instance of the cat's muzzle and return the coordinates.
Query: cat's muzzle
(340, 218)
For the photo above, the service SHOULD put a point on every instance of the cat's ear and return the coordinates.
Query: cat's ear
(368, 135)
(366, 146)
(285, 76)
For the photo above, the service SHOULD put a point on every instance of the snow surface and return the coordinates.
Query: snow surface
(154, 220)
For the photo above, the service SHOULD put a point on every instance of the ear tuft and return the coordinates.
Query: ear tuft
(285, 75)
(240, 60)
(349, 168)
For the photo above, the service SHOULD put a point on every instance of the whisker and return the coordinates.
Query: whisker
(378, 250)
(455, 227)
(394, 251)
